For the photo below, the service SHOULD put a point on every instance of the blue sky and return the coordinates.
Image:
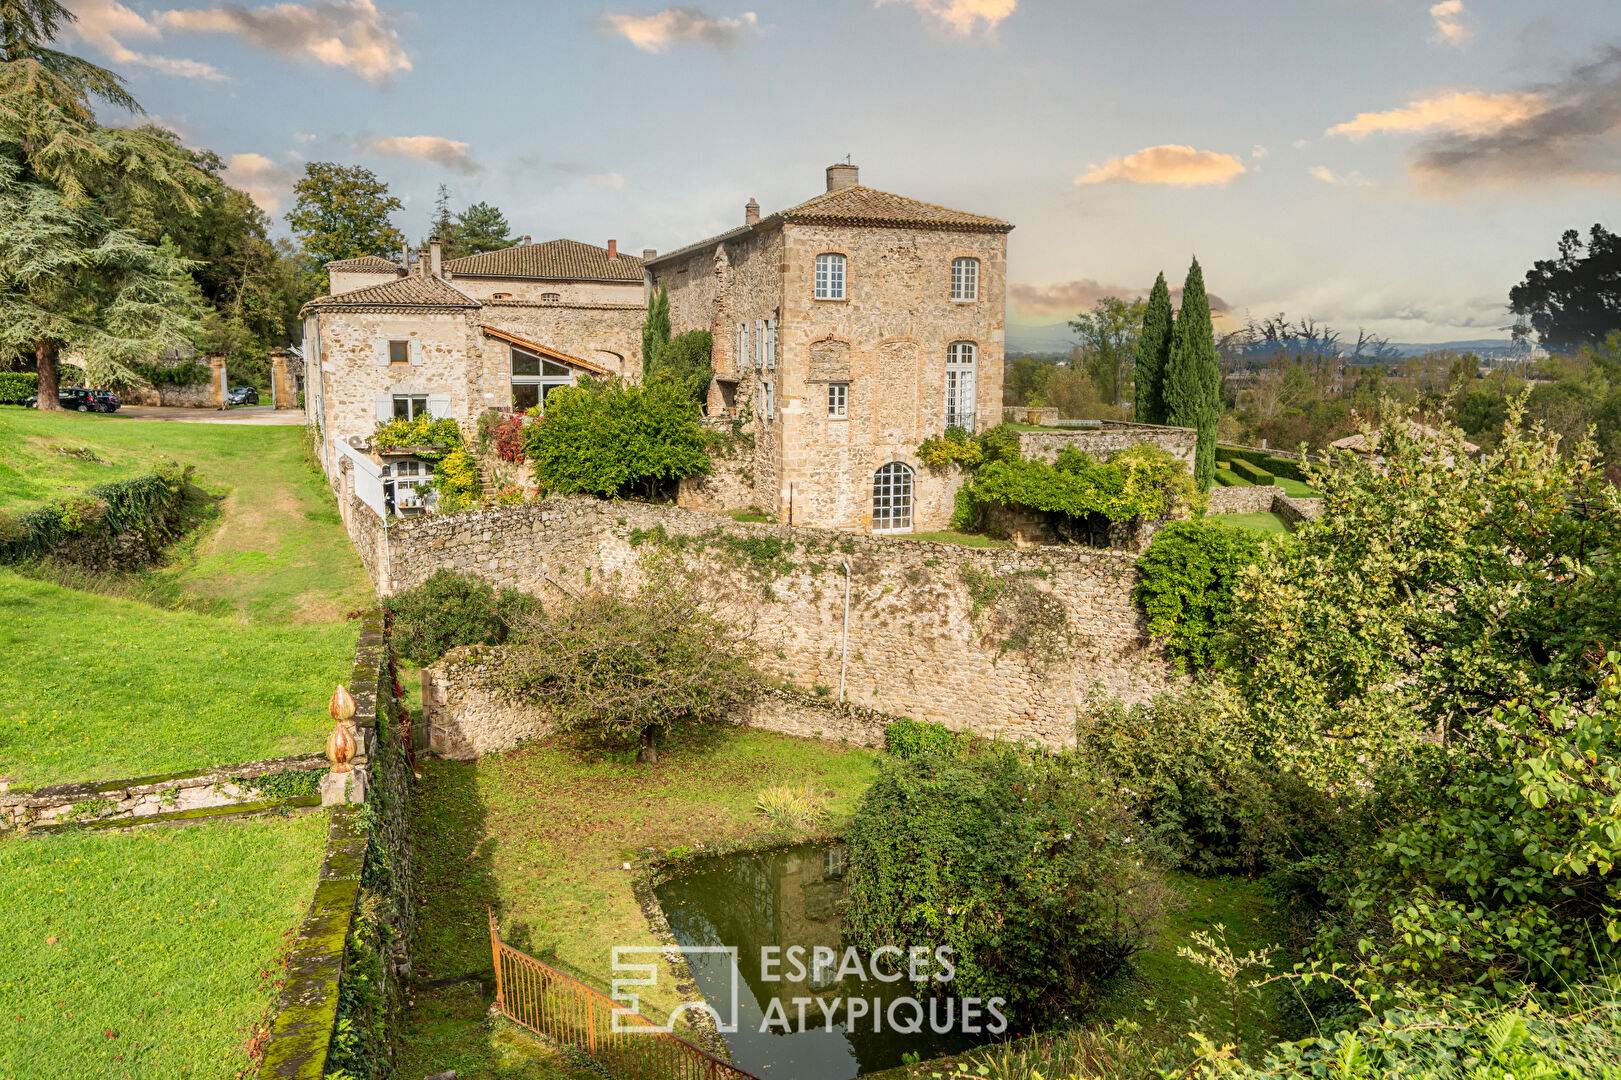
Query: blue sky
(1119, 137)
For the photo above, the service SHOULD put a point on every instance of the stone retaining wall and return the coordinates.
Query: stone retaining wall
(1111, 438)
(1294, 511)
(128, 801)
(936, 631)
(1243, 500)
(468, 715)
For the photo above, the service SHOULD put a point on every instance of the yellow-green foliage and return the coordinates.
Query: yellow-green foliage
(456, 475)
(792, 807)
(423, 431)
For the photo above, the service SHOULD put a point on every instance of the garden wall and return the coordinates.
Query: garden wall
(1002, 641)
(195, 396)
(1294, 511)
(350, 959)
(154, 799)
(1244, 500)
(468, 716)
(1112, 437)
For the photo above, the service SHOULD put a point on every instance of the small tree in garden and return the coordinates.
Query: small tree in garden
(1185, 582)
(451, 609)
(656, 327)
(1153, 353)
(1192, 379)
(629, 669)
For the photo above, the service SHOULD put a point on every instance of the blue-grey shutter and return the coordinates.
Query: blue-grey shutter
(438, 406)
(385, 407)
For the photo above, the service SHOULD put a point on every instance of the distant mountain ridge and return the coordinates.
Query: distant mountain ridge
(1056, 339)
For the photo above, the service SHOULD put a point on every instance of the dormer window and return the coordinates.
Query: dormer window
(551, 298)
(501, 296)
(965, 279)
(830, 276)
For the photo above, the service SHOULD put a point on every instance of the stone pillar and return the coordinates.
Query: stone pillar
(283, 388)
(216, 380)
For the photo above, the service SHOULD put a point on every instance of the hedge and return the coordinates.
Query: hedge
(1227, 478)
(17, 387)
(1252, 472)
(1277, 466)
(110, 527)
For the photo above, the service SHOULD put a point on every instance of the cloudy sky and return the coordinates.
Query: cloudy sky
(1391, 164)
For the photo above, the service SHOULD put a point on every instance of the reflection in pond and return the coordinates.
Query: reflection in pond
(823, 1020)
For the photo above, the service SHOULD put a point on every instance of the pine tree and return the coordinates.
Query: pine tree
(1153, 352)
(1192, 383)
(656, 327)
(480, 228)
(443, 225)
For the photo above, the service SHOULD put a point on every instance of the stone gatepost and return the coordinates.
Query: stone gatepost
(216, 380)
(283, 388)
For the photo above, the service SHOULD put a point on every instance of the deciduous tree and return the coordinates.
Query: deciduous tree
(1575, 298)
(1108, 335)
(341, 212)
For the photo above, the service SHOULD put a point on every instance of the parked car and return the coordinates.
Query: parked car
(81, 399)
(242, 395)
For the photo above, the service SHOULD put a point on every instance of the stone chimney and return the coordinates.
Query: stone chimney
(751, 211)
(435, 263)
(405, 256)
(422, 263)
(526, 240)
(649, 254)
(842, 176)
(613, 249)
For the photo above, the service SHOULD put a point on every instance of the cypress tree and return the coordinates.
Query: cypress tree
(655, 328)
(1192, 384)
(1153, 351)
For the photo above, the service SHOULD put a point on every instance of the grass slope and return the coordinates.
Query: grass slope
(147, 954)
(1261, 523)
(278, 551)
(99, 688)
(541, 834)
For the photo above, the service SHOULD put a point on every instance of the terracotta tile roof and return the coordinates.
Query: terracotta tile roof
(365, 262)
(868, 206)
(415, 292)
(552, 260)
(542, 350)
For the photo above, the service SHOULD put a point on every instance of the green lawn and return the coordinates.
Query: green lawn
(147, 954)
(541, 833)
(1261, 523)
(1298, 489)
(100, 688)
(277, 552)
(963, 539)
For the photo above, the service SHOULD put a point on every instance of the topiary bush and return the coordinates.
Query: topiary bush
(451, 609)
(906, 737)
(1252, 472)
(1185, 583)
(1040, 882)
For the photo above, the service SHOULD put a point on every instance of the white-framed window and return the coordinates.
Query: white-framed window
(399, 352)
(410, 406)
(838, 400)
(960, 357)
(533, 377)
(830, 276)
(551, 298)
(965, 279)
(892, 498)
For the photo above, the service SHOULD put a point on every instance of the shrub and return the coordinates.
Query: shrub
(685, 362)
(611, 437)
(905, 737)
(1141, 482)
(1185, 583)
(112, 526)
(792, 807)
(17, 387)
(451, 609)
(508, 438)
(456, 477)
(423, 431)
(1252, 473)
(1040, 883)
(955, 447)
(626, 669)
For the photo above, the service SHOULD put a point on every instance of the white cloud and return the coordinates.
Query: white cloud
(265, 181)
(447, 152)
(1328, 176)
(1259, 152)
(962, 16)
(104, 24)
(654, 33)
(305, 137)
(1182, 166)
(612, 181)
(349, 34)
(1464, 113)
(1449, 25)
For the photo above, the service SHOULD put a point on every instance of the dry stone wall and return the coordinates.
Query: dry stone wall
(1243, 500)
(1111, 438)
(999, 641)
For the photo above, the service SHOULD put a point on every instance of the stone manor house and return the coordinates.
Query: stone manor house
(847, 329)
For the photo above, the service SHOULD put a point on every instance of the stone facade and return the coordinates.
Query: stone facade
(1295, 511)
(932, 627)
(779, 349)
(1110, 438)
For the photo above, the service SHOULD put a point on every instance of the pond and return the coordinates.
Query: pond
(807, 1006)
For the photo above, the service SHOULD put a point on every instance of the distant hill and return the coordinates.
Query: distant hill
(1056, 339)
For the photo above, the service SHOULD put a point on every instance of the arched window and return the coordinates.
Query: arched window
(960, 356)
(892, 498)
(965, 279)
(830, 276)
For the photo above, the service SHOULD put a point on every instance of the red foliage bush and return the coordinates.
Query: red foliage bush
(509, 439)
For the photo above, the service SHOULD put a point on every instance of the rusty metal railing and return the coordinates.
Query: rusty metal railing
(561, 1008)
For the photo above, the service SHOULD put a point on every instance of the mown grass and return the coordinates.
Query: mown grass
(277, 550)
(98, 688)
(950, 536)
(542, 833)
(445, 1033)
(1261, 523)
(151, 953)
